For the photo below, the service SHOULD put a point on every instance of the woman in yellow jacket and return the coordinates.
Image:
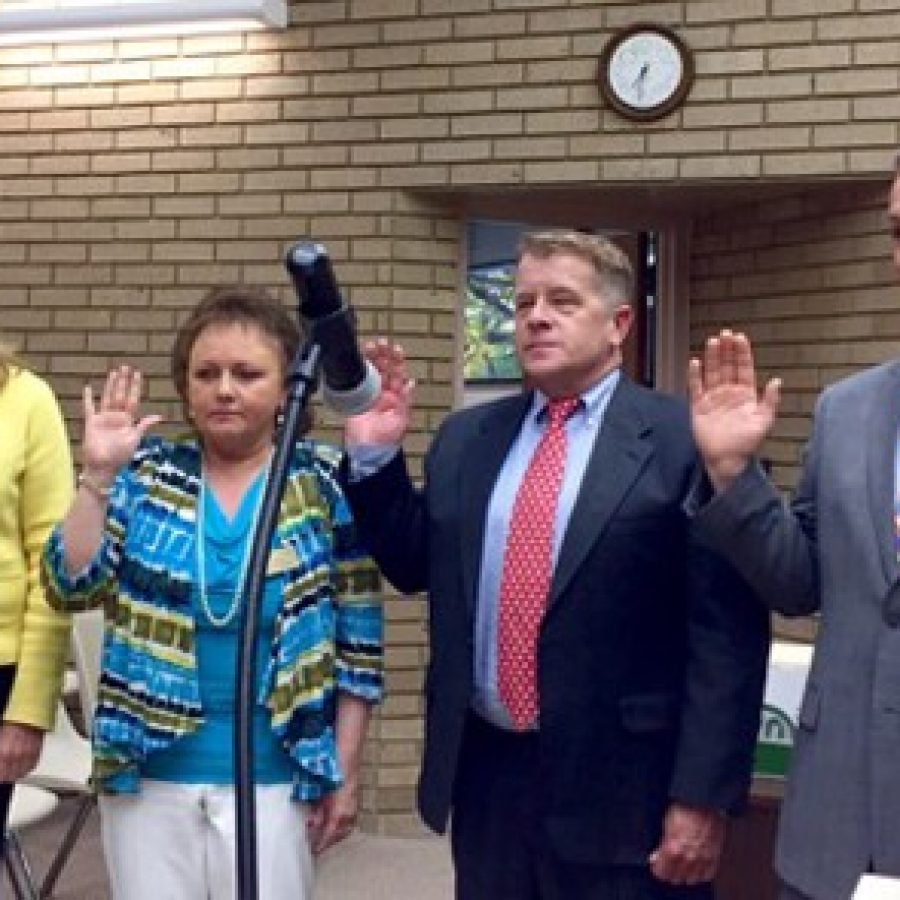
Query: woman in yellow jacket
(35, 492)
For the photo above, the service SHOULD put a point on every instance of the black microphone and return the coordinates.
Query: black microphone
(351, 383)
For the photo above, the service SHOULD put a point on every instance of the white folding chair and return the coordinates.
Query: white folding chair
(64, 766)
(87, 648)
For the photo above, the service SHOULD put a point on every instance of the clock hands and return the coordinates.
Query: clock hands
(639, 80)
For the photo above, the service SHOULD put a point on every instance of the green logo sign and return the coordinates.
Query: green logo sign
(774, 742)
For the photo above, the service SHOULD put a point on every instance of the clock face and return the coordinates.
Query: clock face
(645, 72)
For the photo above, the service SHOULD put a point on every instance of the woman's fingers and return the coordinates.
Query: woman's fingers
(134, 386)
(122, 390)
(121, 393)
(87, 402)
(109, 399)
(147, 423)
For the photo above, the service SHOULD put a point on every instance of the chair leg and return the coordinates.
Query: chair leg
(65, 848)
(20, 874)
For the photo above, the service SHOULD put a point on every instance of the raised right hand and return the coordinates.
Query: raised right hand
(113, 431)
(388, 420)
(729, 417)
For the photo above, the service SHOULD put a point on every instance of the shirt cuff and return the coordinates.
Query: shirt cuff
(368, 459)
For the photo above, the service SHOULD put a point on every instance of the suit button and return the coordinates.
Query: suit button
(891, 614)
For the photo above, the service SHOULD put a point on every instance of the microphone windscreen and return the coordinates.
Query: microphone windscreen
(358, 399)
(314, 280)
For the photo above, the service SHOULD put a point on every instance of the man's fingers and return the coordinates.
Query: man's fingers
(690, 847)
(725, 344)
(712, 364)
(772, 395)
(744, 369)
(661, 865)
(405, 395)
(385, 356)
(675, 867)
(695, 380)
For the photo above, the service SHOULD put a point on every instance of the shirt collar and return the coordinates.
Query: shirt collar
(592, 400)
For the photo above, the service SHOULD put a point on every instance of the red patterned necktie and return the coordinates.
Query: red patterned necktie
(528, 567)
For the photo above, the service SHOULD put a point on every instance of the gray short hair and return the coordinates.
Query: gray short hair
(614, 271)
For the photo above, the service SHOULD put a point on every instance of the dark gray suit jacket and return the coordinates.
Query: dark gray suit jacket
(652, 652)
(834, 551)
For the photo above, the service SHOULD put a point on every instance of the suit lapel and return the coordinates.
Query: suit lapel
(885, 418)
(620, 453)
(494, 434)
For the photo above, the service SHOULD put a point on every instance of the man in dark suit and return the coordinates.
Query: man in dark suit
(592, 748)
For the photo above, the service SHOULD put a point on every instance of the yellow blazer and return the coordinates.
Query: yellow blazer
(35, 492)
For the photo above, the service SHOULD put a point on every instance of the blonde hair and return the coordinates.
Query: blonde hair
(615, 275)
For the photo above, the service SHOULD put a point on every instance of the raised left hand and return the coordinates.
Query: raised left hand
(691, 845)
(20, 747)
(333, 818)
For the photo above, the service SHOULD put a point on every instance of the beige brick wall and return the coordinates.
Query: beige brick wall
(135, 174)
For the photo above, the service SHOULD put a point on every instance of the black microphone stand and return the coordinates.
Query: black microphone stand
(301, 383)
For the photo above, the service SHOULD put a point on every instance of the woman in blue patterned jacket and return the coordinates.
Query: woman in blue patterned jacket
(159, 535)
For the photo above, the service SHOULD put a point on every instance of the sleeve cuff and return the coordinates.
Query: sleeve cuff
(367, 459)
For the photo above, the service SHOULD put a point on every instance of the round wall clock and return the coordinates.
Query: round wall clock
(645, 71)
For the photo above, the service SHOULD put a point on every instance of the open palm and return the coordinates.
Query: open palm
(729, 416)
(112, 429)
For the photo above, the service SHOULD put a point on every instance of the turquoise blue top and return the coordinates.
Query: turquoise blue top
(207, 755)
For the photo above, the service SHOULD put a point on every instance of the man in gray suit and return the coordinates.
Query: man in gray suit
(834, 550)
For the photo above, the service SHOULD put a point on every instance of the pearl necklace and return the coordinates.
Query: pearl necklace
(231, 612)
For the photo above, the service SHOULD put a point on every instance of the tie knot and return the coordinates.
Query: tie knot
(560, 409)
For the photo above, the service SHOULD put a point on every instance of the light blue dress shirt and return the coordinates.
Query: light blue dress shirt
(581, 433)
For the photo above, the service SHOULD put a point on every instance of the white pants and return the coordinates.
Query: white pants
(178, 842)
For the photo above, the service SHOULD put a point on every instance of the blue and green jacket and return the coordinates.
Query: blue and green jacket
(328, 633)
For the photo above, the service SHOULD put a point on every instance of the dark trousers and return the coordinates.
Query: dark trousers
(7, 674)
(499, 850)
